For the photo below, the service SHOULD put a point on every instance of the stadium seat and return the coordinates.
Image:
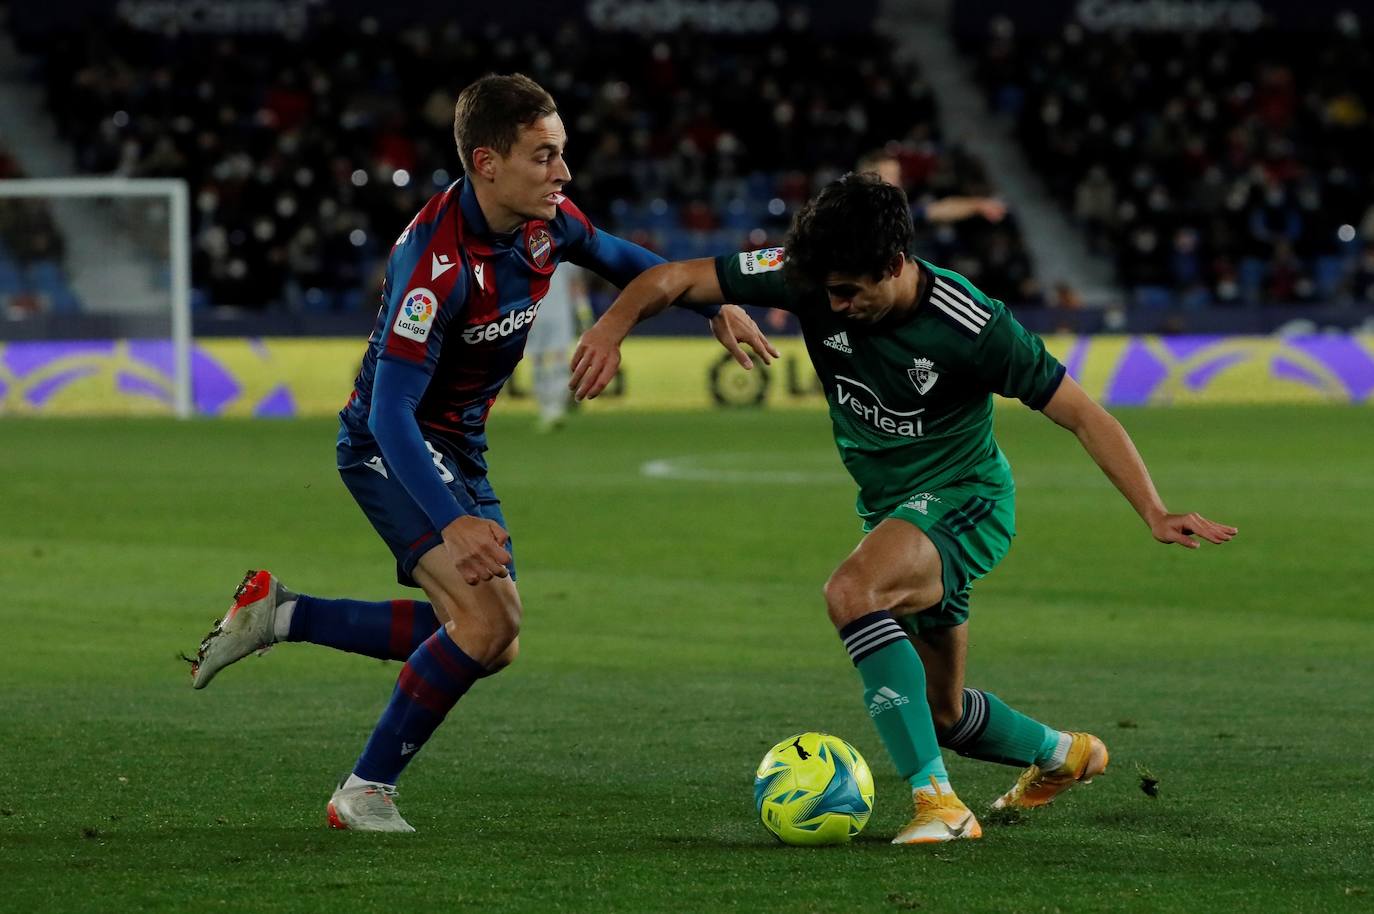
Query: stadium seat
(1157, 298)
(739, 215)
(11, 278)
(1327, 275)
(46, 278)
(1250, 278)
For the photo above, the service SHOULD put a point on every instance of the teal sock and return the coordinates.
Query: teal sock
(993, 732)
(895, 693)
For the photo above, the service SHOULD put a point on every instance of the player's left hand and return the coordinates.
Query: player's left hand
(992, 209)
(595, 363)
(1181, 528)
(733, 326)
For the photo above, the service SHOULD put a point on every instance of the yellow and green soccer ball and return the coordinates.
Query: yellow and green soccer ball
(812, 789)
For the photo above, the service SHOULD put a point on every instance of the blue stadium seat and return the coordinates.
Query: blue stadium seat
(1250, 278)
(11, 278)
(46, 278)
(739, 215)
(760, 186)
(1156, 298)
(1327, 275)
(659, 214)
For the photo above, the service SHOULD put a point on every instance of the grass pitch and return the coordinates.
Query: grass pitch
(671, 568)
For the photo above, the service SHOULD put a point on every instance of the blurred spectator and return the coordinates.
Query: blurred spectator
(1362, 280)
(1216, 166)
(308, 155)
(32, 251)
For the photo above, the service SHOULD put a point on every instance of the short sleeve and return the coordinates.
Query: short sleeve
(755, 278)
(1014, 362)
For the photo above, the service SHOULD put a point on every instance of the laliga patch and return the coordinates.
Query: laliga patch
(540, 244)
(416, 314)
(765, 260)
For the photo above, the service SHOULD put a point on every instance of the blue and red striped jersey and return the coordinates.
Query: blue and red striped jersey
(458, 301)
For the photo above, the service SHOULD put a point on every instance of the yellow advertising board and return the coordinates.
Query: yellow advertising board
(284, 377)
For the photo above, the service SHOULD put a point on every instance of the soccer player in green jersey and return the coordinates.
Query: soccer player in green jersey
(910, 355)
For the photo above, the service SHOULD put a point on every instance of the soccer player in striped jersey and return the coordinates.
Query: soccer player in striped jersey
(463, 285)
(910, 355)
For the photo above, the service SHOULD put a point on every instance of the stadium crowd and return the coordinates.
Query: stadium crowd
(31, 253)
(306, 161)
(1214, 168)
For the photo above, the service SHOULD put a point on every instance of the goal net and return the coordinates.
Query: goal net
(95, 310)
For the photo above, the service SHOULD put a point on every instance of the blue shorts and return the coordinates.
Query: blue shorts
(398, 519)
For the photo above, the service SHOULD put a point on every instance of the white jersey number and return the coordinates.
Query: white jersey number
(444, 475)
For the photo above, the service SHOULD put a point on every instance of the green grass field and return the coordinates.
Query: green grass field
(674, 630)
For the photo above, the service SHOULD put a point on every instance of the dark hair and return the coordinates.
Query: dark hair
(491, 111)
(856, 226)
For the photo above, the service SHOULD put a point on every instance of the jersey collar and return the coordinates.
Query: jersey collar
(476, 222)
(472, 210)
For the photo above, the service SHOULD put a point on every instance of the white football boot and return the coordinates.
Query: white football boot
(366, 807)
(248, 626)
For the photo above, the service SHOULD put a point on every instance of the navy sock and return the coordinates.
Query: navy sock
(387, 630)
(430, 684)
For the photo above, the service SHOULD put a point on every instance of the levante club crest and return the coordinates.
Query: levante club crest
(923, 375)
(540, 246)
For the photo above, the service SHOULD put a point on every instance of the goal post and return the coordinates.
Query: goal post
(106, 246)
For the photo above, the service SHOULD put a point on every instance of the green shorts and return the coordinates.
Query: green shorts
(972, 532)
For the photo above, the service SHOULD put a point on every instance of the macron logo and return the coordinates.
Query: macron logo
(477, 270)
(441, 264)
(408, 748)
(840, 342)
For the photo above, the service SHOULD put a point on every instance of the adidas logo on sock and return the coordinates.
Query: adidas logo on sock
(885, 699)
(407, 748)
(840, 342)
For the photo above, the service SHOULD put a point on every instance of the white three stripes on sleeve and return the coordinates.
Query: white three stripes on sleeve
(950, 299)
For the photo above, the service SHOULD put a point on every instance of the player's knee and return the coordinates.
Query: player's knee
(848, 596)
(503, 629)
(488, 632)
(506, 657)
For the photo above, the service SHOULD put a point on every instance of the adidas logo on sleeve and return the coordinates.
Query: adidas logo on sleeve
(840, 342)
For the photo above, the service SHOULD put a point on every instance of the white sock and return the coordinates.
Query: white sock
(929, 788)
(1060, 754)
(355, 781)
(281, 622)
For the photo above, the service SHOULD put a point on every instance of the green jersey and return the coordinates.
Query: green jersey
(911, 398)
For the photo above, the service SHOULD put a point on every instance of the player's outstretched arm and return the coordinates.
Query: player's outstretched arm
(957, 209)
(1108, 444)
(597, 358)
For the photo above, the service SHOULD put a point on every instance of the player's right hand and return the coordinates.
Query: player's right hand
(477, 548)
(1181, 528)
(595, 363)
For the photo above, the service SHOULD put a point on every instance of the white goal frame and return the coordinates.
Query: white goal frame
(177, 195)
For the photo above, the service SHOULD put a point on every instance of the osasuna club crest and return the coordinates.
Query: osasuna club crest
(540, 245)
(923, 375)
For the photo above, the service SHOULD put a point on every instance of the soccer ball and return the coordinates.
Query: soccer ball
(812, 789)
